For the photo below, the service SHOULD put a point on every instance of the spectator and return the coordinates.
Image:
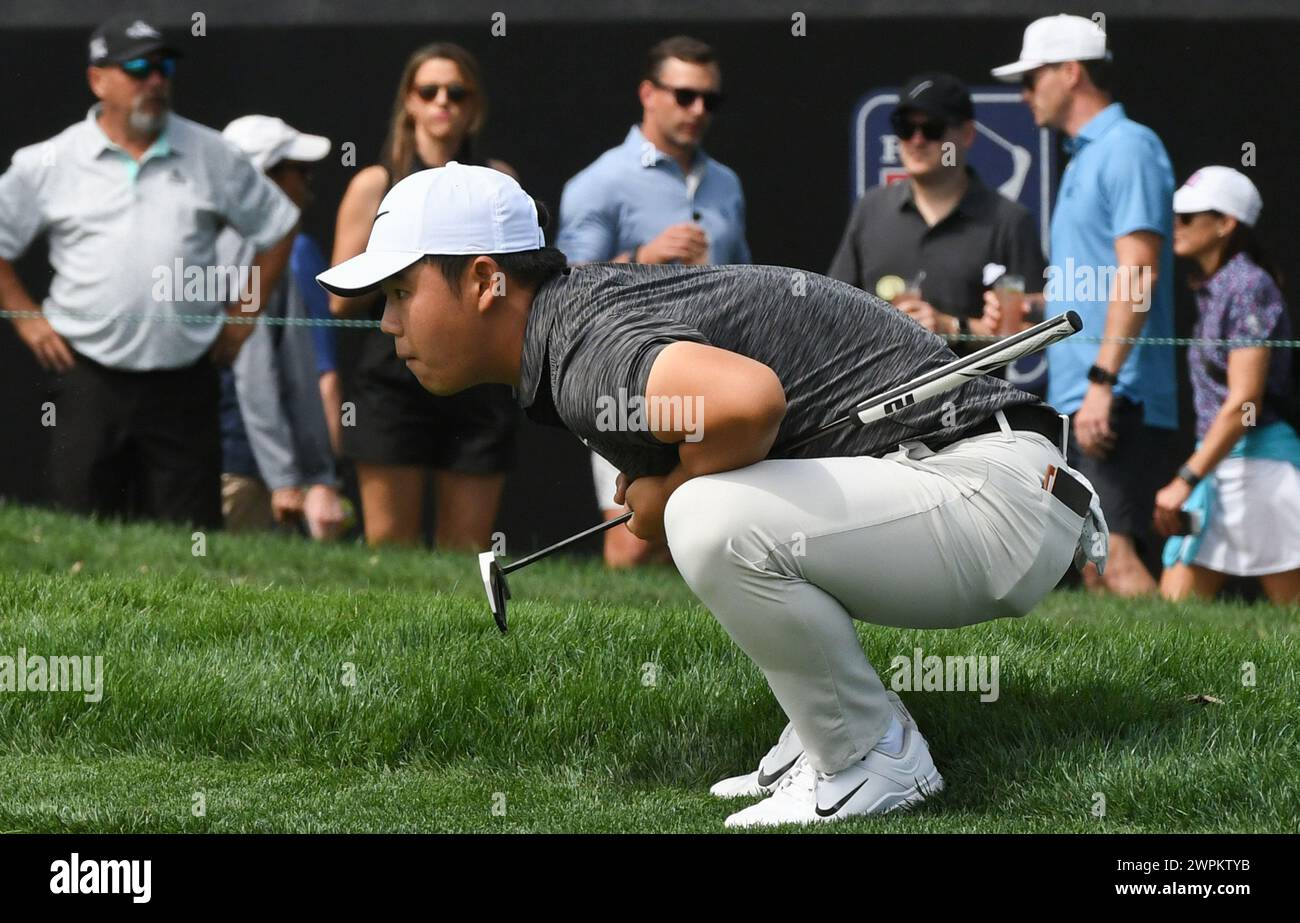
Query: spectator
(132, 199)
(278, 462)
(656, 198)
(403, 434)
(1112, 262)
(943, 225)
(1243, 480)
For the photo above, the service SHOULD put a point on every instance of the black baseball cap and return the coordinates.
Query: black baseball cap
(124, 37)
(937, 95)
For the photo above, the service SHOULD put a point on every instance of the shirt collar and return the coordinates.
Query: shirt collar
(537, 335)
(100, 142)
(972, 201)
(636, 144)
(1095, 127)
(1222, 276)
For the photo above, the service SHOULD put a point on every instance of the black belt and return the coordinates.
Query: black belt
(1037, 418)
(1044, 420)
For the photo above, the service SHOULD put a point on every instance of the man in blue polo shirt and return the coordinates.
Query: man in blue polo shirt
(656, 198)
(1111, 261)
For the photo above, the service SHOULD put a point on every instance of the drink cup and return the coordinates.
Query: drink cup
(1011, 296)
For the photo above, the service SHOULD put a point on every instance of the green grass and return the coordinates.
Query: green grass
(224, 675)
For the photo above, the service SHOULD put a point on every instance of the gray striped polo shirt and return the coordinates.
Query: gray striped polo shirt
(594, 332)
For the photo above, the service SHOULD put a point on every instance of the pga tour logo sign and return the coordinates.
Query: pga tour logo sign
(1011, 154)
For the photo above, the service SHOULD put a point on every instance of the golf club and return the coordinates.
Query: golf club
(932, 383)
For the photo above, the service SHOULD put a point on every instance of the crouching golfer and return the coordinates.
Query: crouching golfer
(935, 517)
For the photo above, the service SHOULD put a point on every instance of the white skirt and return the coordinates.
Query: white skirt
(1254, 526)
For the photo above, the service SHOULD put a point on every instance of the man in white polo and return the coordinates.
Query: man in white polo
(935, 517)
(132, 200)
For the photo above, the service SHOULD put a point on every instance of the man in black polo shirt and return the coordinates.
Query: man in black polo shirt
(943, 221)
(696, 382)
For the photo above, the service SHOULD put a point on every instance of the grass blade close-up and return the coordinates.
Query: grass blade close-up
(278, 686)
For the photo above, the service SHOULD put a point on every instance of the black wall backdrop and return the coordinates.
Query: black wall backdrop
(563, 92)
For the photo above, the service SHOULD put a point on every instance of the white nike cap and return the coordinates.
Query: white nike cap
(1054, 39)
(1220, 189)
(450, 211)
(266, 141)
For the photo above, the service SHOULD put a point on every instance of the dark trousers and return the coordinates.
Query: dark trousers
(1129, 477)
(138, 444)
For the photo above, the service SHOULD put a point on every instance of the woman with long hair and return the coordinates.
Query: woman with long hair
(401, 435)
(1234, 507)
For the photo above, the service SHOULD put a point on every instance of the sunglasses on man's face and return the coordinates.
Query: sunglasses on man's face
(1029, 79)
(456, 92)
(686, 97)
(931, 129)
(140, 68)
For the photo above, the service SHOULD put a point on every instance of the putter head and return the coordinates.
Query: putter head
(494, 583)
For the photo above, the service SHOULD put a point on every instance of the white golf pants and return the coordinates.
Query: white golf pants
(787, 552)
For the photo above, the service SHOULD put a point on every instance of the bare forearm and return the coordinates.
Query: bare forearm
(13, 295)
(728, 445)
(1126, 316)
(1228, 427)
(268, 267)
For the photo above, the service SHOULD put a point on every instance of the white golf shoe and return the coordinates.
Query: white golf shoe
(878, 783)
(772, 768)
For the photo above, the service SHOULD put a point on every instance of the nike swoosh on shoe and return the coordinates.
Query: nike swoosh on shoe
(765, 780)
(835, 808)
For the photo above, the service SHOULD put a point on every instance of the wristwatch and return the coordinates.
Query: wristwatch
(1188, 475)
(1098, 375)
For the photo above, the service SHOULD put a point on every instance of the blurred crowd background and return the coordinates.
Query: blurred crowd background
(563, 88)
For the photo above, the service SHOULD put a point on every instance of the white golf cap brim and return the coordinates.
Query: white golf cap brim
(453, 210)
(1219, 189)
(306, 149)
(1189, 200)
(1008, 73)
(365, 271)
(1055, 40)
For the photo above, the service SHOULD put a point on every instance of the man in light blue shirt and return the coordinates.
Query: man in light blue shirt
(657, 198)
(1112, 262)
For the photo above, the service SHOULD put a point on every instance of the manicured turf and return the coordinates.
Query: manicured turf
(228, 675)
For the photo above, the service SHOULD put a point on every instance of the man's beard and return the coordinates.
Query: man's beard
(145, 124)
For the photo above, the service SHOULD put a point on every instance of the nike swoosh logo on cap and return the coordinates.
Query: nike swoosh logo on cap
(835, 808)
(764, 779)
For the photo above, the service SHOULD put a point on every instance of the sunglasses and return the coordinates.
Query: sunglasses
(1029, 79)
(931, 129)
(293, 166)
(140, 68)
(1186, 218)
(686, 97)
(456, 92)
